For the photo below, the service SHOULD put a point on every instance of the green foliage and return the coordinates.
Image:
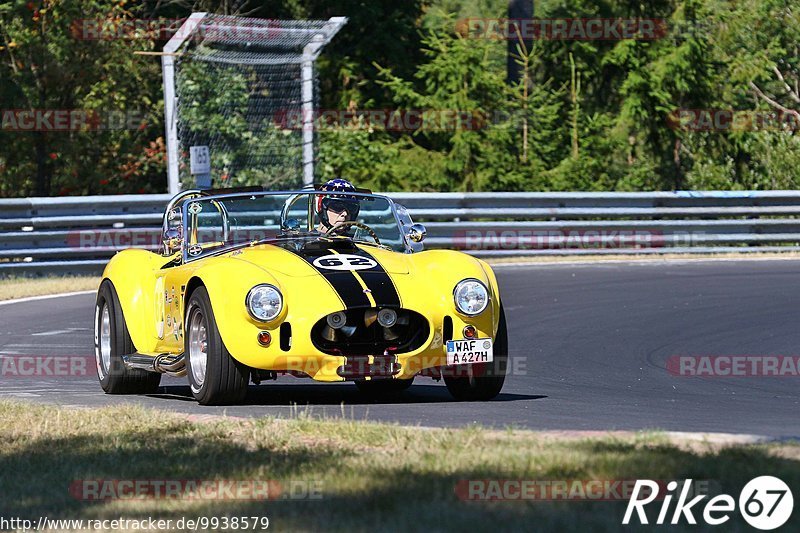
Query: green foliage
(44, 65)
(587, 115)
(214, 105)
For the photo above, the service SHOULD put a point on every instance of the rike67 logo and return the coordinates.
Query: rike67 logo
(765, 503)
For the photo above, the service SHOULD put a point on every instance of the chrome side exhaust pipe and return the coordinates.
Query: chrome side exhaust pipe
(169, 364)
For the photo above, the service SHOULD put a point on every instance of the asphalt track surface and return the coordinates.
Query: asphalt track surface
(589, 345)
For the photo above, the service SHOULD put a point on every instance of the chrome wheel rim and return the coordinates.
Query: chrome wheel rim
(105, 337)
(198, 348)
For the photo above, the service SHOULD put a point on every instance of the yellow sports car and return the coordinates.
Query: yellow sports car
(329, 282)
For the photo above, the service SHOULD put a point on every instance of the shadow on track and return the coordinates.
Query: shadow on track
(328, 394)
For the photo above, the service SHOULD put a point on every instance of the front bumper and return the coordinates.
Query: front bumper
(303, 358)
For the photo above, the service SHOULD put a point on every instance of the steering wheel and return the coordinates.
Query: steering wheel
(339, 227)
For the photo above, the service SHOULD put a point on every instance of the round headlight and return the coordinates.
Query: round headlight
(264, 302)
(471, 297)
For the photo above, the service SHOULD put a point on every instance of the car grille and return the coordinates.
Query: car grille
(362, 334)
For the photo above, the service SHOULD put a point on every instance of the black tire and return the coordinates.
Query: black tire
(483, 381)
(115, 377)
(226, 379)
(378, 387)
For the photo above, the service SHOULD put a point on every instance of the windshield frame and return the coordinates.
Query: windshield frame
(190, 228)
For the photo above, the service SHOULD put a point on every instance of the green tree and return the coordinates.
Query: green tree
(47, 64)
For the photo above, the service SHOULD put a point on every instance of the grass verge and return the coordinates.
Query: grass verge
(13, 288)
(370, 476)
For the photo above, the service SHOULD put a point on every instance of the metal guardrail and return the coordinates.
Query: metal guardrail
(79, 234)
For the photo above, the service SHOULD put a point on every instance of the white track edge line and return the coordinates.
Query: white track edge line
(44, 297)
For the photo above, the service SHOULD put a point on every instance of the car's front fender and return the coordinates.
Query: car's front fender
(437, 272)
(229, 280)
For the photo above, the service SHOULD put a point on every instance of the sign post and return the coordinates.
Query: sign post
(200, 166)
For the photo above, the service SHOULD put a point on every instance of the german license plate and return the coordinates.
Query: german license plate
(469, 351)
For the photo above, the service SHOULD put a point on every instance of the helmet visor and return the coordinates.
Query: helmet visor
(339, 207)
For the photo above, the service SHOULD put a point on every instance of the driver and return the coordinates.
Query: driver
(335, 209)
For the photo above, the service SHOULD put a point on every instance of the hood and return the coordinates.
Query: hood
(363, 276)
(320, 258)
(360, 276)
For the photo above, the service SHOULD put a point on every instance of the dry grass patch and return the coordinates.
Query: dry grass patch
(13, 288)
(372, 476)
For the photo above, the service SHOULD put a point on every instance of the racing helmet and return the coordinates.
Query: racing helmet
(338, 202)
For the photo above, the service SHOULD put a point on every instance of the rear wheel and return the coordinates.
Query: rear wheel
(215, 377)
(111, 341)
(481, 381)
(377, 387)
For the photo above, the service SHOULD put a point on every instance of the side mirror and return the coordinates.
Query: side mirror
(417, 233)
(292, 225)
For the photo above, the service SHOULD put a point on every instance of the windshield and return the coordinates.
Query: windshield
(222, 223)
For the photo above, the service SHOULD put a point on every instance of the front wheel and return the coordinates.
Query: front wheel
(481, 381)
(215, 377)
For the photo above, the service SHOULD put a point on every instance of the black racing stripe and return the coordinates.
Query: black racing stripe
(342, 281)
(348, 287)
(379, 282)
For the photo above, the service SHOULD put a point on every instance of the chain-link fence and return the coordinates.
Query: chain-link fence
(247, 89)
